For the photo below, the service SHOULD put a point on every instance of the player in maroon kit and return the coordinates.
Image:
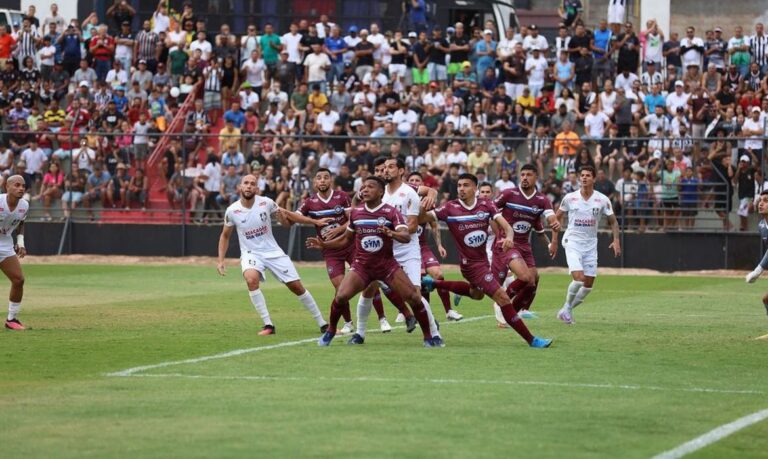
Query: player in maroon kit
(373, 226)
(334, 206)
(430, 265)
(523, 209)
(468, 218)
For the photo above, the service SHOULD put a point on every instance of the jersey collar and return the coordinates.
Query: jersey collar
(374, 209)
(320, 197)
(526, 196)
(466, 206)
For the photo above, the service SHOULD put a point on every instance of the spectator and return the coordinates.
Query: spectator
(228, 193)
(98, 182)
(53, 182)
(116, 191)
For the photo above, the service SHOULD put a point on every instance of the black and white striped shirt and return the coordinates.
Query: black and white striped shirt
(212, 79)
(147, 45)
(25, 45)
(758, 48)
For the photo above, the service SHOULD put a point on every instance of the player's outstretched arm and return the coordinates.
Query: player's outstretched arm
(295, 217)
(226, 233)
(428, 196)
(616, 244)
(20, 250)
(438, 239)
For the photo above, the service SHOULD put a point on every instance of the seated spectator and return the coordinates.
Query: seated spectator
(96, 188)
(116, 191)
(53, 183)
(230, 183)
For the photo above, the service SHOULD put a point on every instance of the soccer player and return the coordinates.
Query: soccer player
(13, 212)
(468, 218)
(373, 226)
(430, 265)
(333, 204)
(762, 227)
(251, 216)
(523, 208)
(585, 208)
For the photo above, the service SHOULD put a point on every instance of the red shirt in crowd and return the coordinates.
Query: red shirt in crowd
(6, 42)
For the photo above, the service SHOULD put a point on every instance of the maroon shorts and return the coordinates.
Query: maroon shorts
(334, 263)
(480, 277)
(501, 259)
(428, 258)
(381, 272)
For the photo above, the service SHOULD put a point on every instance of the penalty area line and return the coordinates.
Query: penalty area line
(631, 387)
(237, 352)
(713, 436)
(762, 337)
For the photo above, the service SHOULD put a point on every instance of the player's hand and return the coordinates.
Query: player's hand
(428, 202)
(222, 270)
(616, 246)
(552, 249)
(21, 252)
(333, 233)
(324, 221)
(507, 244)
(386, 232)
(314, 243)
(441, 251)
(753, 275)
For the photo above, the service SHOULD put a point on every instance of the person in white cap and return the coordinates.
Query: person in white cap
(745, 180)
(753, 129)
(534, 40)
(678, 98)
(485, 50)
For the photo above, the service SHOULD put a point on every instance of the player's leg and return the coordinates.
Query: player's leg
(351, 285)
(284, 270)
(12, 270)
(364, 306)
(412, 269)
(404, 313)
(462, 288)
(576, 268)
(488, 283)
(765, 302)
(335, 268)
(436, 272)
(529, 293)
(253, 273)
(400, 283)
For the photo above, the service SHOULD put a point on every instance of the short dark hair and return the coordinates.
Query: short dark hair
(324, 169)
(379, 181)
(399, 161)
(589, 169)
(529, 167)
(417, 174)
(488, 184)
(764, 192)
(468, 176)
(379, 161)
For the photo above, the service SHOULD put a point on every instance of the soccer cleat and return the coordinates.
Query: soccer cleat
(410, 324)
(14, 324)
(540, 343)
(437, 341)
(565, 316)
(456, 299)
(384, 325)
(347, 328)
(326, 339)
(429, 343)
(356, 339)
(400, 318)
(453, 315)
(428, 283)
(526, 314)
(502, 325)
(267, 330)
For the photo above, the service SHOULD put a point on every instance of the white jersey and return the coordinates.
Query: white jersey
(9, 221)
(254, 227)
(406, 200)
(584, 218)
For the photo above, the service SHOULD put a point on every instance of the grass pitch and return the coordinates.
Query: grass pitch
(651, 363)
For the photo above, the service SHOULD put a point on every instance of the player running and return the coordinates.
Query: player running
(762, 227)
(523, 209)
(13, 212)
(252, 217)
(335, 205)
(585, 208)
(373, 226)
(468, 218)
(430, 265)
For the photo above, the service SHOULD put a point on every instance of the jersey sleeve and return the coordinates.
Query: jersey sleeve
(397, 219)
(271, 206)
(501, 199)
(547, 205)
(607, 208)
(228, 220)
(413, 205)
(351, 225)
(564, 204)
(440, 213)
(303, 207)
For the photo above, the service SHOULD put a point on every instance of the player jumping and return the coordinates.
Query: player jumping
(252, 217)
(13, 212)
(762, 227)
(585, 208)
(430, 265)
(468, 218)
(373, 226)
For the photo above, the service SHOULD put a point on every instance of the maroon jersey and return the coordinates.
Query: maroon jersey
(373, 250)
(523, 213)
(335, 207)
(469, 227)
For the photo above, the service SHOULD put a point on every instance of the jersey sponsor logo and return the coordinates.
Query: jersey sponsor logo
(256, 232)
(521, 227)
(584, 222)
(372, 244)
(475, 238)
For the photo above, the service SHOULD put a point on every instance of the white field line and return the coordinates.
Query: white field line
(713, 436)
(237, 352)
(448, 381)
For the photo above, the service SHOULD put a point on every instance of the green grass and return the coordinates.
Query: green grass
(484, 395)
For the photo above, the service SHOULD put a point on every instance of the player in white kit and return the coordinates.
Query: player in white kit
(251, 216)
(13, 212)
(585, 208)
(404, 198)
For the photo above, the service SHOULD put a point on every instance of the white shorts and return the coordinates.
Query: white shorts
(514, 90)
(412, 268)
(582, 260)
(615, 13)
(6, 248)
(281, 267)
(397, 69)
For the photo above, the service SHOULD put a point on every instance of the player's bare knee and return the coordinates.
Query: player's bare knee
(588, 282)
(296, 287)
(765, 298)
(17, 280)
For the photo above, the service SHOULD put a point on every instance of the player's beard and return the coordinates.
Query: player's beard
(323, 189)
(248, 195)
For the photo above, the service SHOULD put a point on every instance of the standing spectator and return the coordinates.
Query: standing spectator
(738, 48)
(7, 45)
(602, 49)
(147, 46)
(628, 46)
(689, 197)
(723, 190)
(758, 47)
(653, 43)
(460, 49)
(671, 51)
(754, 129)
(36, 160)
(74, 184)
(363, 55)
(53, 182)
(102, 49)
(485, 50)
(691, 49)
(670, 194)
(54, 18)
(270, 47)
(745, 181)
(121, 11)
(160, 18)
(715, 49)
(335, 47)
(570, 12)
(536, 67)
(124, 45)
(317, 64)
(535, 41)
(418, 15)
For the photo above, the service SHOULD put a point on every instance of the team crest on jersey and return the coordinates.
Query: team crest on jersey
(263, 216)
(482, 215)
(381, 221)
(488, 277)
(535, 209)
(595, 211)
(338, 209)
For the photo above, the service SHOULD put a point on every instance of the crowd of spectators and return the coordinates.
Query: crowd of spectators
(673, 124)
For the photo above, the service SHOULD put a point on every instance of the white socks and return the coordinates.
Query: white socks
(573, 288)
(432, 325)
(364, 306)
(13, 310)
(257, 298)
(580, 295)
(499, 316)
(310, 305)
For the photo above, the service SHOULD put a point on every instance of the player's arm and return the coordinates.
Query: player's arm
(762, 266)
(438, 238)
(340, 242)
(509, 241)
(412, 223)
(554, 225)
(616, 244)
(296, 217)
(226, 233)
(401, 233)
(428, 196)
(20, 250)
